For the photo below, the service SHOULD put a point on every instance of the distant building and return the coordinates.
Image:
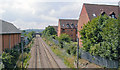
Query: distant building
(68, 26)
(56, 28)
(9, 35)
(90, 11)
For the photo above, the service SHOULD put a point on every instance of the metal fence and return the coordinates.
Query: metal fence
(94, 59)
(52, 40)
(55, 41)
(99, 60)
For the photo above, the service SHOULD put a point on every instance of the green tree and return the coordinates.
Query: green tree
(23, 31)
(30, 34)
(49, 31)
(100, 37)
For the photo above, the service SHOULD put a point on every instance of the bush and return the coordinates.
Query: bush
(100, 37)
(27, 50)
(63, 38)
(10, 57)
(7, 60)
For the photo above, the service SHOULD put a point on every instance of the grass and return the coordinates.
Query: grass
(67, 59)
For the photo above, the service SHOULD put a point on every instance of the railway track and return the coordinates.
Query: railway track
(44, 58)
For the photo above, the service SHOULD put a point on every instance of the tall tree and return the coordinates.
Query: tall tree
(49, 31)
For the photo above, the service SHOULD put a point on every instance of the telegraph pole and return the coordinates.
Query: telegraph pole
(22, 51)
(119, 35)
(78, 53)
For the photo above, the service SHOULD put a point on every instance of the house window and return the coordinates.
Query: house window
(63, 30)
(94, 15)
(113, 16)
(63, 25)
(72, 25)
(67, 25)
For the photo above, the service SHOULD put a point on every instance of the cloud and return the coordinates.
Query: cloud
(48, 18)
(40, 13)
(30, 25)
(52, 12)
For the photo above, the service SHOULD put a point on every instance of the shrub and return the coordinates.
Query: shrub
(63, 38)
(100, 37)
(70, 48)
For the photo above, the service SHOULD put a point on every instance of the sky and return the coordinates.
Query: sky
(38, 14)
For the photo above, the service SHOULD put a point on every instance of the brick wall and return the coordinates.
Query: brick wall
(71, 32)
(59, 29)
(83, 19)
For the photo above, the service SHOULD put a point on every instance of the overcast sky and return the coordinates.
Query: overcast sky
(37, 14)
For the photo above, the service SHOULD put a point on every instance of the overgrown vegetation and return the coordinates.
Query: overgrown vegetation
(26, 57)
(10, 57)
(62, 39)
(28, 34)
(60, 52)
(65, 48)
(100, 37)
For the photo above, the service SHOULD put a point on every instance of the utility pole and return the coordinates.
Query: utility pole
(22, 51)
(118, 36)
(78, 53)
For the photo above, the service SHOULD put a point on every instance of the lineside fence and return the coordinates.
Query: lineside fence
(94, 59)
(99, 60)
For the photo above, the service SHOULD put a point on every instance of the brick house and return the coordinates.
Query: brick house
(68, 26)
(56, 28)
(90, 11)
(9, 35)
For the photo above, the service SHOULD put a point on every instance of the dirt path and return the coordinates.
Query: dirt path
(43, 57)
